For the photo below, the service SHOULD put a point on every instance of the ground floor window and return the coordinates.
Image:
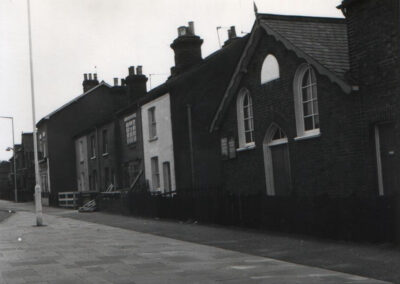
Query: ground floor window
(155, 174)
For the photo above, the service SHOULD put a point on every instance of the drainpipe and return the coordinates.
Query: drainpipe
(98, 159)
(189, 114)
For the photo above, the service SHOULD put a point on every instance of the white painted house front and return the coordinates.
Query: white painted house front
(158, 145)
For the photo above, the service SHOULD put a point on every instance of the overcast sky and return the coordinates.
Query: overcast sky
(72, 37)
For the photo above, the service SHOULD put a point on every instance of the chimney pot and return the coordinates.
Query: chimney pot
(182, 31)
(131, 70)
(115, 81)
(139, 70)
(191, 27)
(90, 76)
(95, 76)
(85, 77)
(123, 82)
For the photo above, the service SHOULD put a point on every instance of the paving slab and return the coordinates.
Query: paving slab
(74, 251)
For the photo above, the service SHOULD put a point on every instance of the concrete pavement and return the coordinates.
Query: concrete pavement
(73, 251)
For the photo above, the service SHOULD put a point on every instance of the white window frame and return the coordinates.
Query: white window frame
(269, 69)
(298, 102)
(130, 129)
(152, 123)
(243, 144)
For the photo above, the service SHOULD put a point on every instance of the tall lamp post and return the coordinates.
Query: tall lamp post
(13, 149)
(38, 191)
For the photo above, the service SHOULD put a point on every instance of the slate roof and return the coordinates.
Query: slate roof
(64, 106)
(324, 39)
(322, 42)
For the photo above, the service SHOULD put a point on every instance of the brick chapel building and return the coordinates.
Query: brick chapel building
(311, 107)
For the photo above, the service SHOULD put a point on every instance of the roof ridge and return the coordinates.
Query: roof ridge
(301, 18)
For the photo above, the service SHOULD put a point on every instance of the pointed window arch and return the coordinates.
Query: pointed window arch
(244, 105)
(306, 101)
(270, 69)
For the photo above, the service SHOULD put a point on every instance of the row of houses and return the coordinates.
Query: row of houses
(299, 106)
(24, 174)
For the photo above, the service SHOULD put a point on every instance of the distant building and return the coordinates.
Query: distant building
(109, 153)
(5, 185)
(56, 132)
(24, 158)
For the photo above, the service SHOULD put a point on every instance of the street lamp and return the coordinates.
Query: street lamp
(12, 149)
(38, 190)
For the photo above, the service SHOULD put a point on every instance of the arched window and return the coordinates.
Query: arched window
(245, 119)
(270, 69)
(306, 101)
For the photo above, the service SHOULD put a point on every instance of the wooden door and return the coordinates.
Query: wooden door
(281, 168)
(385, 151)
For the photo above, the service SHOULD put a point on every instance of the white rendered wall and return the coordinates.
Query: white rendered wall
(162, 146)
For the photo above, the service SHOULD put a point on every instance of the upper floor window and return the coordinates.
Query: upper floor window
(81, 157)
(43, 144)
(270, 69)
(130, 129)
(245, 119)
(92, 146)
(152, 123)
(306, 102)
(105, 141)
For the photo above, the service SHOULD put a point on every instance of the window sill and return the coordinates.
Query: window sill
(105, 154)
(305, 136)
(153, 139)
(92, 158)
(246, 148)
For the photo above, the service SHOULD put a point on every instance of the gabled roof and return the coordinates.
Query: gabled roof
(323, 39)
(73, 101)
(322, 42)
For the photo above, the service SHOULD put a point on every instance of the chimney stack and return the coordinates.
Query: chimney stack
(89, 82)
(187, 49)
(131, 70)
(231, 36)
(115, 82)
(136, 83)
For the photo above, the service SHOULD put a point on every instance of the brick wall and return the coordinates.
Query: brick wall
(329, 164)
(373, 29)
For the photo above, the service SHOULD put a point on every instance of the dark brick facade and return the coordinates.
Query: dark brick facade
(320, 165)
(195, 95)
(23, 157)
(5, 184)
(62, 125)
(130, 153)
(373, 30)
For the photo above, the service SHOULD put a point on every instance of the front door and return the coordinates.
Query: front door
(277, 162)
(281, 168)
(385, 157)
